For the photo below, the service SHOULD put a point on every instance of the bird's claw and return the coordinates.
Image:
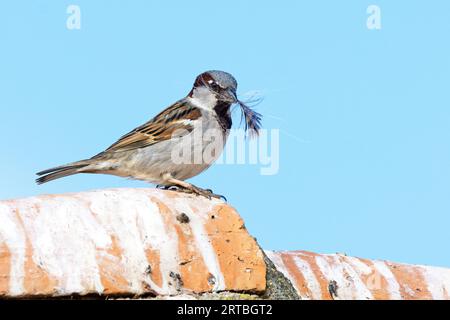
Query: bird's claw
(201, 192)
(207, 193)
(218, 196)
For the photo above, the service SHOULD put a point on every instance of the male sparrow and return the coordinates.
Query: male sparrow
(150, 151)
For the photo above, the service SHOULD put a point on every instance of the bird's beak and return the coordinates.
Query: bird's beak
(232, 95)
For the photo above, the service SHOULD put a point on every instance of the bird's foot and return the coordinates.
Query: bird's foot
(191, 189)
(208, 193)
(218, 196)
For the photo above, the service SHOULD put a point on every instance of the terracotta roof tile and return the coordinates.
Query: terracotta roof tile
(127, 241)
(336, 276)
(167, 244)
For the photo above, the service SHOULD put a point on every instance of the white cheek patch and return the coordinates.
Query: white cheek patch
(203, 98)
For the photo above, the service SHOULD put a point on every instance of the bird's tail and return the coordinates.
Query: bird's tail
(61, 171)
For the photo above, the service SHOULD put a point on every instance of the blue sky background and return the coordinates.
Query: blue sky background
(368, 172)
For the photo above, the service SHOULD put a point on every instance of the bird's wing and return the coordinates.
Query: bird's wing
(177, 117)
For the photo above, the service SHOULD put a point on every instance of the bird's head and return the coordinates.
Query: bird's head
(220, 84)
(218, 88)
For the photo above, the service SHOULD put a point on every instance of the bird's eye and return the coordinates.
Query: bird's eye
(214, 85)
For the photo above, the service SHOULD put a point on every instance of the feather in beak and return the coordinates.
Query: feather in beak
(252, 119)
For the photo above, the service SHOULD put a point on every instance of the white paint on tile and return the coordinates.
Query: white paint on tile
(11, 233)
(138, 225)
(333, 270)
(198, 209)
(64, 237)
(353, 275)
(438, 281)
(311, 280)
(392, 283)
(358, 265)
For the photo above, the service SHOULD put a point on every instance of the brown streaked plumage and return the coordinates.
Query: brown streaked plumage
(160, 128)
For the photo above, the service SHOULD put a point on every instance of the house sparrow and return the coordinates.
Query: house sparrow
(147, 152)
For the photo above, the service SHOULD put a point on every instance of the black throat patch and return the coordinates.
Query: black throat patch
(223, 114)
